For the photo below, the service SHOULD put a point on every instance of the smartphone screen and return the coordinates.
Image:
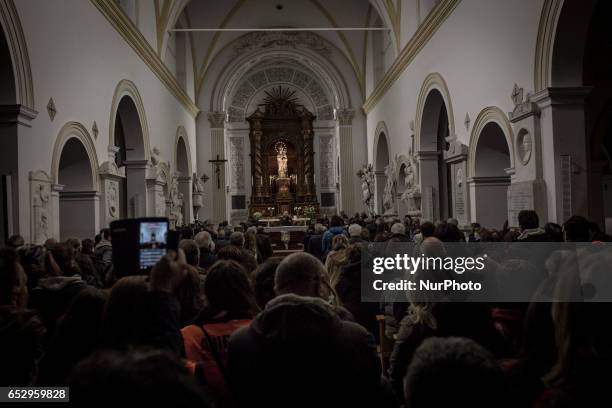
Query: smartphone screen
(152, 242)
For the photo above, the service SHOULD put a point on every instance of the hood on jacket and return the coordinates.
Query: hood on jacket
(296, 319)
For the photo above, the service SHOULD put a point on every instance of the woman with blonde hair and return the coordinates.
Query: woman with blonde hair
(337, 259)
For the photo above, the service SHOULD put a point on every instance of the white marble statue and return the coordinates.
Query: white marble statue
(281, 158)
(389, 191)
(366, 174)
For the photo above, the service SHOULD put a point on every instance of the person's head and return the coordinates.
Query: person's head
(203, 240)
(319, 228)
(192, 251)
(87, 246)
(240, 255)
(576, 229)
(554, 231)
(299, 273)
(528, 219)
(126, 309)
(15, 241)
(336, 221)
(263, 278)
(453, 221)
(454, 371)
(250, 241)
(428, 229)
(136, 378)
(97, 239)
(13, 280)
(339, 242)
(227, 289)
(60, 260)
(237, 239)
(106, 234)
(354, 230)
(446, 232)
(398, 229)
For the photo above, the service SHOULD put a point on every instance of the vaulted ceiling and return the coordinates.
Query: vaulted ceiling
(215, 14)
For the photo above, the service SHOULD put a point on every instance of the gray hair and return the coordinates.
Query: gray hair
(398, 228)
(354, 230)
(237, 239)
(203, 239)
(319, 228)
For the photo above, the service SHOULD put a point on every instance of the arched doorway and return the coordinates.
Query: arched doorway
(8, 164)
(490, 181)
(128, 136)
(382, 161)
(435, 172)
(78, 202)
(183, 167)
(574, 67)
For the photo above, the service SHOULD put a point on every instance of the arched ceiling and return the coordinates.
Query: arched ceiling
(266, 14)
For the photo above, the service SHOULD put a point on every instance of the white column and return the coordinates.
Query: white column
(563, 141)
(347, 176)
(217, 141)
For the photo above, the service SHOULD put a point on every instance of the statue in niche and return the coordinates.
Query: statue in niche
(412, 194)
(176, 202)
(113, 199)
(155, 156)
(198, 183)
(281, 158)
(366, 174)
(389, 191)
(43, 213)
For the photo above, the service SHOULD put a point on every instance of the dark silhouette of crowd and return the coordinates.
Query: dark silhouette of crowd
(226, 322)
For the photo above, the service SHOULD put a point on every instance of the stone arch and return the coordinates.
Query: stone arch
(126, 96)
(490, 156)
(128, 130)
(75, 130)
(75, 170)
(182, 152)
(22, 88)
(434, 130)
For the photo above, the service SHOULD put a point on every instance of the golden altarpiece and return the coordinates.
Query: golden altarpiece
(282, 156)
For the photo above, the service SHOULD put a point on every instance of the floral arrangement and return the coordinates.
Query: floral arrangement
(257, 216)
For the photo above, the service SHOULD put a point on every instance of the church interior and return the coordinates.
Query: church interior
(277, 126)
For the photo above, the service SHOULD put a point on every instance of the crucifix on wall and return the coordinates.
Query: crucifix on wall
(217, 163)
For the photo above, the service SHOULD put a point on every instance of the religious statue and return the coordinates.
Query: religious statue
(176, 202)
(389, 191)
(412, 194)
(198, 183)
(155, 160)
(281, 158)
(366, 174)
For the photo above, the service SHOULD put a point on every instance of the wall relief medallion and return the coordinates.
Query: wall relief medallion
(524, 146)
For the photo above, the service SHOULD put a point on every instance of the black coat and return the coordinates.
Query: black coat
(315, 246)
(298, 352)
(264, 247)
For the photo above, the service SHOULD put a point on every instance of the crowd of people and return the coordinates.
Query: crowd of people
(225, 322)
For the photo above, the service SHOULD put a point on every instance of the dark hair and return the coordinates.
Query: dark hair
(15, 241)
(454, 371)
(234, 253)
(528, 219)
(64, 256)
(125, 312)
(105, 233)
(428, 229)
(135, 378)
(9, 275)
(554, 231)
(87, 246)
(192, 252)
(577, 229)
(263, 278)
(447, 232)
(336, 221)
(227, 288)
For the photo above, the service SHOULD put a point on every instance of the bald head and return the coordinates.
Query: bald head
(299, 273)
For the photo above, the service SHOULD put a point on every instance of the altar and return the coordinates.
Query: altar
(282, 157)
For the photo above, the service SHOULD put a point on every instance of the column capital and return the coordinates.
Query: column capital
(19, 114)
(561, 96)
(345, 116)
(216, 119)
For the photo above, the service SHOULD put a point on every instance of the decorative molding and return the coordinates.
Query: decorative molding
(118, 19)
(491, 114)
(69, 131)
(16, 41)
(216, 119)
(94, 130)
(345, 116)
(545, 42)
(467, 121)
(423, 34)
(51, 109)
